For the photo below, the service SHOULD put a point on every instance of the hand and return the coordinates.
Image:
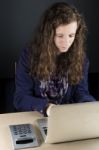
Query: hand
(49, 109)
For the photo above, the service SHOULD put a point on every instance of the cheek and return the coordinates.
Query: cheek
(71, 41)
(56, 41)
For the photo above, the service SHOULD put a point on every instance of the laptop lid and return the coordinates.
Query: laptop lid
(73, 122)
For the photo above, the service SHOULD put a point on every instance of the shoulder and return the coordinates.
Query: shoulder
(23, 63)
(24, 52)
(86, 59)
(86, 63)
(24, 56)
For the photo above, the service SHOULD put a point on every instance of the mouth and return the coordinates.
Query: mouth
(64, 48)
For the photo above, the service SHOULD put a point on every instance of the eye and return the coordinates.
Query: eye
(72, 35)
(59, 35)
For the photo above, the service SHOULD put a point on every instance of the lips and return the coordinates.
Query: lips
(64, 48)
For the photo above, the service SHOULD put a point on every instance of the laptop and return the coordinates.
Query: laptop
(70, 122)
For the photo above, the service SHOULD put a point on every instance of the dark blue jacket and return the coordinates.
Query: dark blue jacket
(28, 97)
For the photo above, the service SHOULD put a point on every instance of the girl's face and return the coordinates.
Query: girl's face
(65, 35)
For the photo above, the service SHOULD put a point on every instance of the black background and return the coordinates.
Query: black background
(18, 19)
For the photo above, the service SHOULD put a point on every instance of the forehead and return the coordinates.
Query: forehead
(68, 28)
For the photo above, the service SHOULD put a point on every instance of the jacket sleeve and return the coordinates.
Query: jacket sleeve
(24, 99)
(81, 93)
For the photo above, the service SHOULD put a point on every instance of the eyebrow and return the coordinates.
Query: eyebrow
(63, 33)
(72, 33)
(59, 33)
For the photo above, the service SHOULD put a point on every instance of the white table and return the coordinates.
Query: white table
(30, 117)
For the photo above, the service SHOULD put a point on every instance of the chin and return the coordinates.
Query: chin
(63, 51)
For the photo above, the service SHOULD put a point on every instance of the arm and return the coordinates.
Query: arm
(24, 99)
(81, 91)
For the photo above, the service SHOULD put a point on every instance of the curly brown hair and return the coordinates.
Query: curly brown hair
(43, 60)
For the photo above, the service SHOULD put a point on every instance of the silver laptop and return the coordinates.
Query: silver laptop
(70, 122)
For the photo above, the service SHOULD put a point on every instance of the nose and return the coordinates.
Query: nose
(65, 40)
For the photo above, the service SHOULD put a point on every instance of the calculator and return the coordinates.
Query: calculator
(23, 136)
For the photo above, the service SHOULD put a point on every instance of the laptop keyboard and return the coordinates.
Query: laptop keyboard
(45, 130)
(42, 125)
